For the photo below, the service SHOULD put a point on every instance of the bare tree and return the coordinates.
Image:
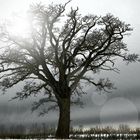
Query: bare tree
(61, 51)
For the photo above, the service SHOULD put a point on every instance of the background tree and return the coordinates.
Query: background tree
(61, 51)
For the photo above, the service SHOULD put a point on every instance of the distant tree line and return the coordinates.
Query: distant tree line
(36, 130)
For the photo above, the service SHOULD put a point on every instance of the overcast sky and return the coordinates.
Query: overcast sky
(122, 105)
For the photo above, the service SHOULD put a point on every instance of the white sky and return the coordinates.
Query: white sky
(126, 10)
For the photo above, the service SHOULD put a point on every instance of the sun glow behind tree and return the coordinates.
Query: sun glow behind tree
(18, 26)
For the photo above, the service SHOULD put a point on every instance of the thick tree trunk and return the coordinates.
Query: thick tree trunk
(64, 119)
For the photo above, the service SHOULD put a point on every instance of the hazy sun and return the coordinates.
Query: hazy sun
(18, 26)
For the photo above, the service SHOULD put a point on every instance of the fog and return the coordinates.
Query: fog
(120, 106)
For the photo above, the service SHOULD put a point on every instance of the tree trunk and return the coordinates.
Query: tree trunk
(64, 119)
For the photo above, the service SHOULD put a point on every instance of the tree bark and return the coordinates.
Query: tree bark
(64, 119)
